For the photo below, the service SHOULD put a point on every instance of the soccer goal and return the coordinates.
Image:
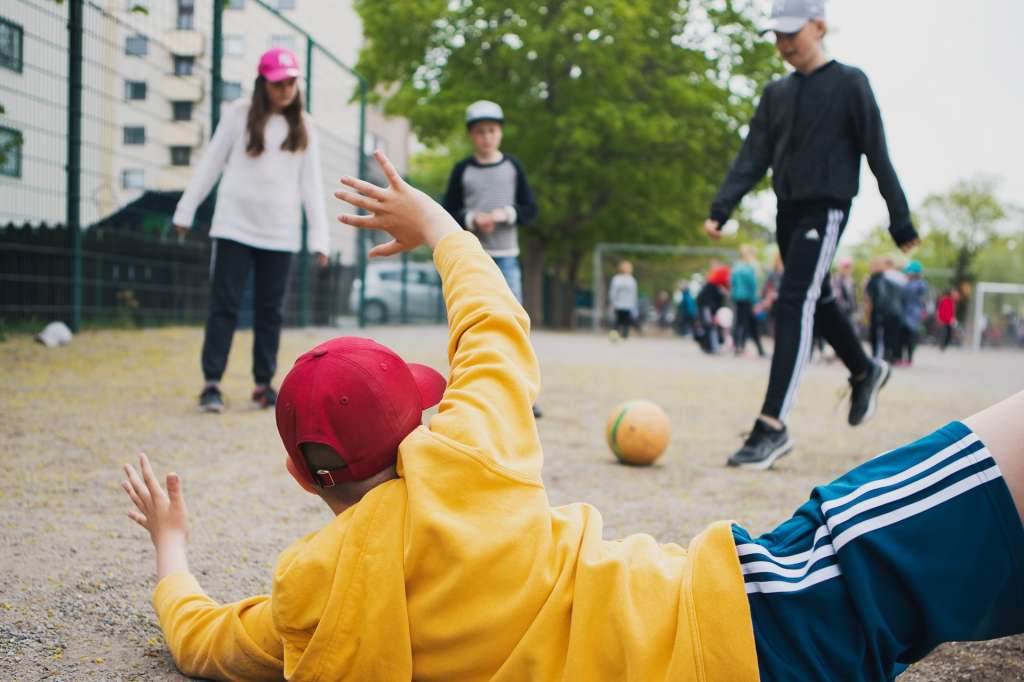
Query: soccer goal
(657, 268)
(998, 318)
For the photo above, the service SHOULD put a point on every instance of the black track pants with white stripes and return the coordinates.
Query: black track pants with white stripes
(808, 236)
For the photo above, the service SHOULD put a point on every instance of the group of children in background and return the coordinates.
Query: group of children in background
(732, 305)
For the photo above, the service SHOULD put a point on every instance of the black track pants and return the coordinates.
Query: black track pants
(231, 262)
(807, 237)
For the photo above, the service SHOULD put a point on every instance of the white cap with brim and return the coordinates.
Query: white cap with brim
(785, 24)
(483, 110)
(789, 16)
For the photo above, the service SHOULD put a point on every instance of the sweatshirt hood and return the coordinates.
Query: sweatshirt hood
(331, 628)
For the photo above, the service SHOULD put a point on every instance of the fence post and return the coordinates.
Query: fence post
(216, 76)
(74, 167)
(304, 249)
(361, 234)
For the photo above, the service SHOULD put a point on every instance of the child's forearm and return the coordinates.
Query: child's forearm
(171, 557)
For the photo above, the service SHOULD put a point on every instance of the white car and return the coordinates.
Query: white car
(383, 299)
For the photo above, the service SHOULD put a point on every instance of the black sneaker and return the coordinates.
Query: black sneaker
(264, 396)
(763, 446)
(864, 393)
(537, 412)
(210, 400)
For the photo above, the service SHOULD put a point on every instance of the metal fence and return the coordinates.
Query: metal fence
(106, 107)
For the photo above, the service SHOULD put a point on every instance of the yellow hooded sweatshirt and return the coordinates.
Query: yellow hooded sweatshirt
(460, 569)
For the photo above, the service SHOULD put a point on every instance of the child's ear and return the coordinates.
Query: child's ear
(306, 485)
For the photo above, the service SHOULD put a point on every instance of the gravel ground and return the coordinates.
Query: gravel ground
(76, 575)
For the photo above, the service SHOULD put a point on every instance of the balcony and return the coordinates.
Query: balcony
(184, 43)
(173, 178)
(182, 88)
(181, 134)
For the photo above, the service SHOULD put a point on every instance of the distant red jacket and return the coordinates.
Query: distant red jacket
(946, 311)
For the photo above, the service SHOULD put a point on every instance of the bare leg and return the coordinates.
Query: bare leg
(1001, 428)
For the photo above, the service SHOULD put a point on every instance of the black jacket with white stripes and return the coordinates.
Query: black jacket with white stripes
(811, 131)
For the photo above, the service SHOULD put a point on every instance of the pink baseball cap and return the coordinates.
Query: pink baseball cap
(279, 63)
(358, 397)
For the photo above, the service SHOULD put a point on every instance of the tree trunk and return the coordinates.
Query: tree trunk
(532, 261)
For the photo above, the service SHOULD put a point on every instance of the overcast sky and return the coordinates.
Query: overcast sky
(949, 78)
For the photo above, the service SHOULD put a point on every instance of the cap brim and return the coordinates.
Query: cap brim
(281, 74)
(488, 119)
(430, 384)
(786, 24)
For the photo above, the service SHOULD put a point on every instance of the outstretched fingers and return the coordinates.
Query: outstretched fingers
(391, 248)
(394, 179)
(155, 491)
(367, 188)
(359, 201)
(368, 222)
(138, 488)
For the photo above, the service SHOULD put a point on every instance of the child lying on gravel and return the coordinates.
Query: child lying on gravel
(446, 562)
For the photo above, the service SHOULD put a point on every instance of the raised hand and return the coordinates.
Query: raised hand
(161, 513)
(411, 217)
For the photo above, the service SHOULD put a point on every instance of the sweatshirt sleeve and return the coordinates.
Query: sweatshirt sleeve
(311, 181)
(525, 208)
(867, 123)
(494, 375)
(454, 201)
(750, 165)
(210, 167)
(221, 642)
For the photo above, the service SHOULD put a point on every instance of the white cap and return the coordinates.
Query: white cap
(54, 334)
(789, 16)
(483, 110)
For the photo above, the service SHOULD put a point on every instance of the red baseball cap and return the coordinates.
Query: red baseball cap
(357, 397)
(279, 63)
(720, 276)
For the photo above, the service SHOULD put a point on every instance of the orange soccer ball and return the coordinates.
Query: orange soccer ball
(638, 432)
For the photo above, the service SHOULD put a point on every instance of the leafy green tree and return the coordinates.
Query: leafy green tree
(626, 113)
(969, 215)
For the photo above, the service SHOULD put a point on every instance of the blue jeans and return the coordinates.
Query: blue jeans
(509, 266)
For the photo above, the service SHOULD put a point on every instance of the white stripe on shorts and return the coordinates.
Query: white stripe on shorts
(809, 557)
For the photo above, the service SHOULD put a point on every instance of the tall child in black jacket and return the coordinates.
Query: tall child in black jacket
(811, 129)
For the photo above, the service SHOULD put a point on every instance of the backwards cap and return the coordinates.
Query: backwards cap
(357, 397)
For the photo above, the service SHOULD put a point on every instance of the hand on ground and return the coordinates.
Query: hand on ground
(161, 513)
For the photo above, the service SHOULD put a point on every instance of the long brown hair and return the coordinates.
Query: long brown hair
(259, 112)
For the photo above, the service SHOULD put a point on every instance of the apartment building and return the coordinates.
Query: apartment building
(147, 100)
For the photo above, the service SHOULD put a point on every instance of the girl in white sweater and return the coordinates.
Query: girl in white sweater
(265, 154)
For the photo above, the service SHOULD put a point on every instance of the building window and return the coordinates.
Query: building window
(234, 46)
(182, 111)
(135, 135)
(133, 178)
(236, 4)
(285, 4)
(181, 156)
(10, 152)
(230, 91)
(10, 45)
(286, 41)
(186, 14)
(183, 66)
(136, 46)
(135, 90)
